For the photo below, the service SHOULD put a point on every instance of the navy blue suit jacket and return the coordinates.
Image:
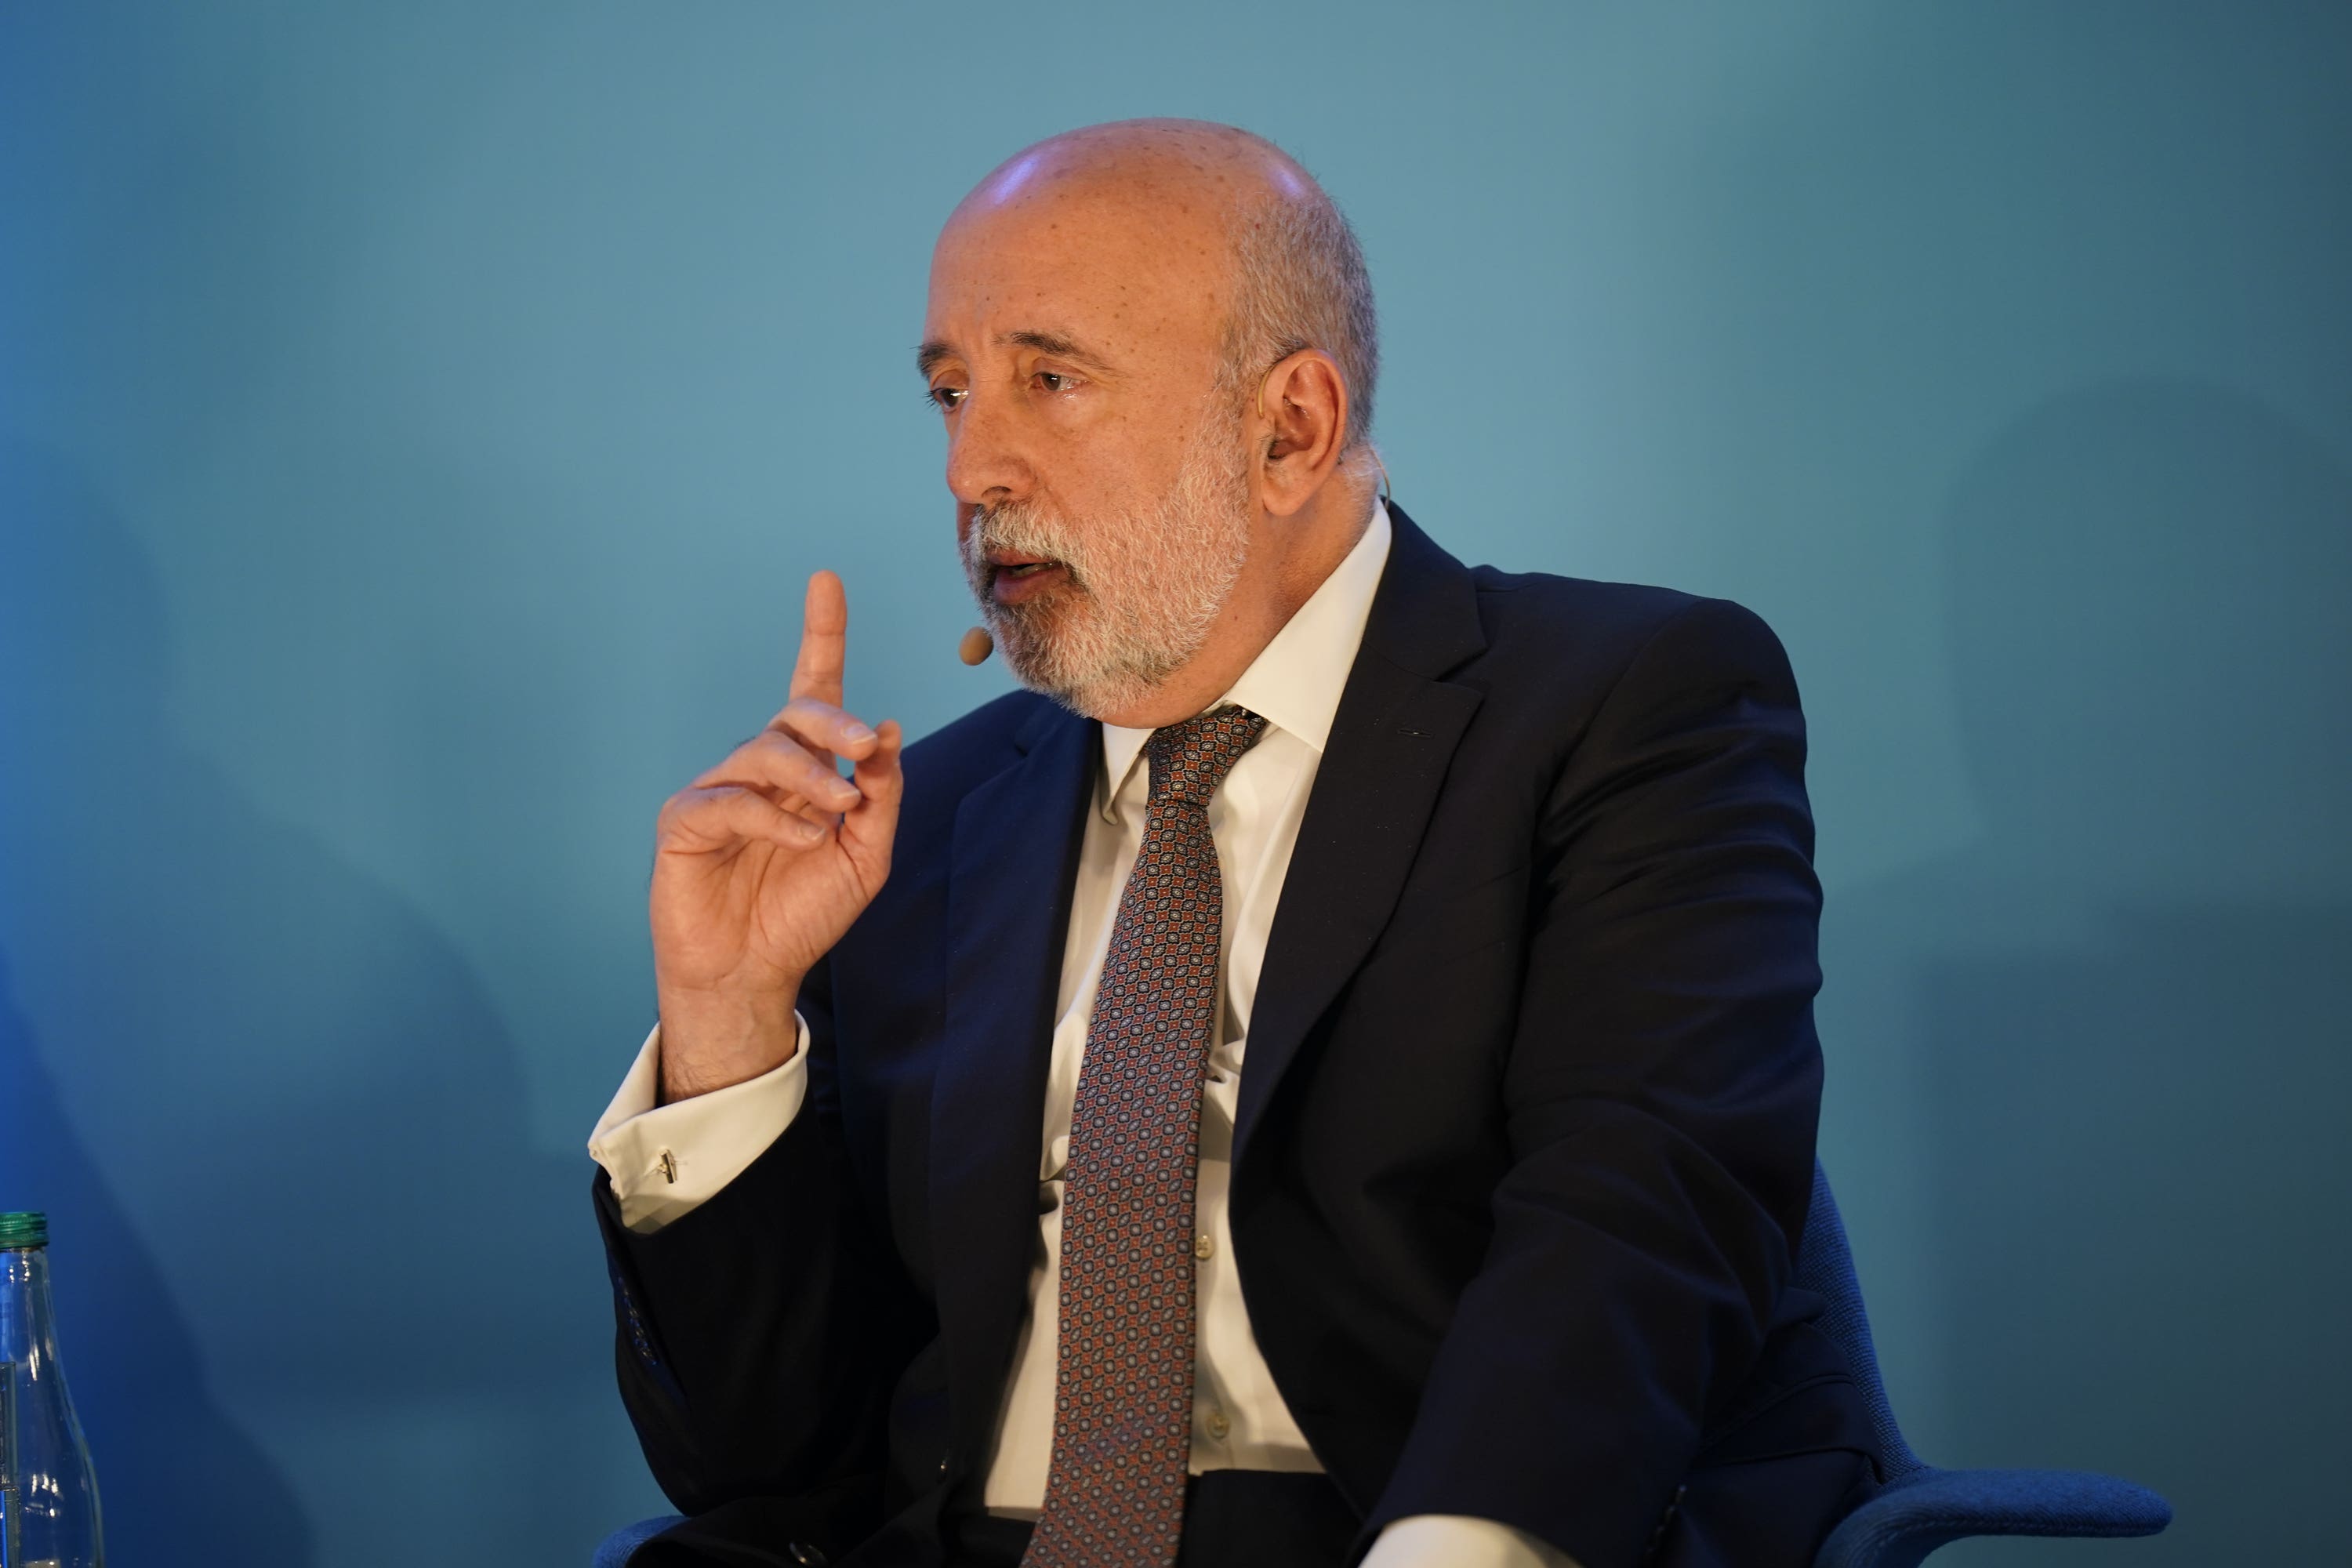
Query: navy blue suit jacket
(1525, 1137)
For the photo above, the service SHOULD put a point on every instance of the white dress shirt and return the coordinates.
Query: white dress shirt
(663, 1161)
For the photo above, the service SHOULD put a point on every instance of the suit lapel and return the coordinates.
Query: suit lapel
(1391, 741)
(1014, 863)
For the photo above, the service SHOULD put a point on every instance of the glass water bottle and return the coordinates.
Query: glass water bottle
(48, 1497)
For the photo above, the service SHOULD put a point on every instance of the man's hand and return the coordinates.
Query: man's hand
(761, 864)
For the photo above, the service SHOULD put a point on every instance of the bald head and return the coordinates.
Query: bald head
(1198, 154)
(1276, 262)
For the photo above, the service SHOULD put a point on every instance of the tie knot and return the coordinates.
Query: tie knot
(1189, 761)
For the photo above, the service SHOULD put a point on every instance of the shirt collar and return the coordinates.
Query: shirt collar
(1294, 682)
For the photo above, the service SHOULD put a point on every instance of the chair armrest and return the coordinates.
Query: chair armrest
(614, 1552)
(1932, 1508)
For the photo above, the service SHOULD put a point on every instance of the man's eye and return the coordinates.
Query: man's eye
(1054, 381)
(946, 398)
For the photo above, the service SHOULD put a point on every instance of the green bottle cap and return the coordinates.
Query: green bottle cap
(24, 1227)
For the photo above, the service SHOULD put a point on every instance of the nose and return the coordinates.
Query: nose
(986, 463)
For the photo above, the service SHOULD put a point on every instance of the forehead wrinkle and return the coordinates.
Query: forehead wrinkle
(936, 352)
(1052, 343)
(1086, 289)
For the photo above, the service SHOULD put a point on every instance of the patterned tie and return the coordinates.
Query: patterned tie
(1123, 1400)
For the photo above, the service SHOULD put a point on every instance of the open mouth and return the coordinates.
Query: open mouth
(1012, 577)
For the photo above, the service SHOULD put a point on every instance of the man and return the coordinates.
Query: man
(1327, 1072)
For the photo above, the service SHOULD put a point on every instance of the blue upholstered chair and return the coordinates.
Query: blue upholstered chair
(1922, 1508)
(615, 1552)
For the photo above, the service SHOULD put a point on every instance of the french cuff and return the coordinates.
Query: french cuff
(1459, 1540)
(664, 1160)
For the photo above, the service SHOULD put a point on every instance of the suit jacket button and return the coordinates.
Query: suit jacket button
(808, 1556)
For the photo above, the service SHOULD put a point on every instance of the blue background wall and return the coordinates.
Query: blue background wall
(414, 427)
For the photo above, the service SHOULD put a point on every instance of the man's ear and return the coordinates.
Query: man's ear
(1302, 410)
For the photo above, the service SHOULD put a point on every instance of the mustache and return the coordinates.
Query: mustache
(1021, 527)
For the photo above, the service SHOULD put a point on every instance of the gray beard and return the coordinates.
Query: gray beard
(1143, 588)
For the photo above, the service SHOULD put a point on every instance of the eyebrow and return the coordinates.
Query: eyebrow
(929, 355)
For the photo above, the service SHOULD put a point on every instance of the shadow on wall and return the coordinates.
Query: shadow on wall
(310, 1118)
(2121, 1014)
(180, 1482)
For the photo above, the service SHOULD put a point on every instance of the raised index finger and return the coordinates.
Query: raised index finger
(825, 640)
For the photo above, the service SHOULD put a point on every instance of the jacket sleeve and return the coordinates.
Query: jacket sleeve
(760, 1334)
(666, 1161)
(1660, 1098)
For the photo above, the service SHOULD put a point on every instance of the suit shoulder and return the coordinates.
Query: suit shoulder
(1537, 620)
(984, 738)
(947, 763)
